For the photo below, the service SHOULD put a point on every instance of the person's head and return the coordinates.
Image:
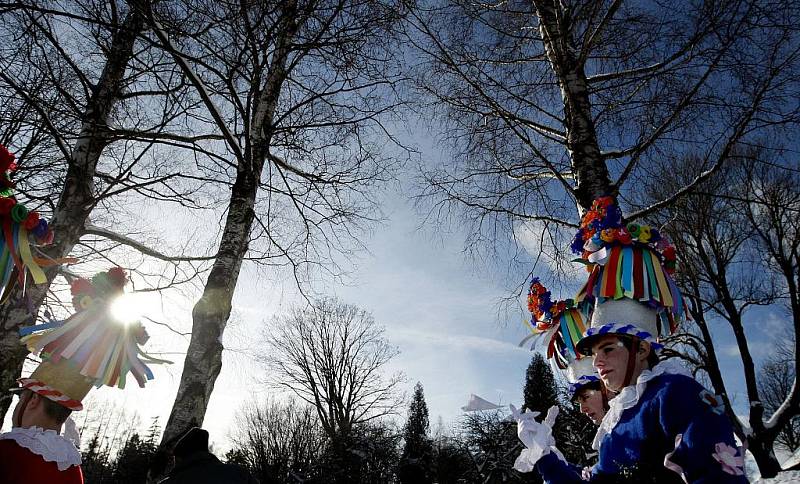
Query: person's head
(620, 359)
(193, 441)
(37, 410)
(592, 402)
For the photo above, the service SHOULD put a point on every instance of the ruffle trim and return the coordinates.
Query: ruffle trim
(48, 444)
(630, 395)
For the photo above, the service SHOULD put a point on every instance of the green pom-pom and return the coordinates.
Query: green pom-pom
(19, 213)
(634, 230)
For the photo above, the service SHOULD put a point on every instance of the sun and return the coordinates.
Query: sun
(129, 308)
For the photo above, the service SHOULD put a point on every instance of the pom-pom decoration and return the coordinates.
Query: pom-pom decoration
(627, 260)
(603, 226)
(20, 230)
(558, 325)
(96, 344)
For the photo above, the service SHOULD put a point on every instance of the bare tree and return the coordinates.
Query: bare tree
(729, 235)
(279, 441)
(86, 86)
(293, 97)
(777, 377)
(547, 103)
(333, 356)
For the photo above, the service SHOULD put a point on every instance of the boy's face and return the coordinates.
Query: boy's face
(590, 402)
(610, 357)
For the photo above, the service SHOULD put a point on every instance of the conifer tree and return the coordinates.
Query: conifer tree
(417, 455)
(540, 392)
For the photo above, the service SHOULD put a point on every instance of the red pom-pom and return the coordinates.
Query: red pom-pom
(624, 237)
(31, 221)
(6, 204)
(604, 202)
(669, 253)
(81, 286)
(6, 159)
(118, 276)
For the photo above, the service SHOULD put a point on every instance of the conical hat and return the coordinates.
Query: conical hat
(629, 279)
(90, 348)
(60, 382)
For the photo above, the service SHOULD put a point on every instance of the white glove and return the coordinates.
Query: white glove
(537, 437)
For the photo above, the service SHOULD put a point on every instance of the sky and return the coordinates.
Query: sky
(441, 309)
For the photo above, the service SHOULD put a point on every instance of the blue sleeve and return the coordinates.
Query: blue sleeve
(705, 450)
(555, 471)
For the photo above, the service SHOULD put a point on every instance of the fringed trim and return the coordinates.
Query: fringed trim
(560, 335)
(634, 272)
(99, 346)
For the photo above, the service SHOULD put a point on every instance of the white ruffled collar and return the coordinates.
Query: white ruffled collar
(48, 444)
(629, 397)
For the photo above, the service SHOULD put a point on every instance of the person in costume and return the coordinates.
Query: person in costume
(662, 426)
(559, 325)
(587, 391)
(89, 349)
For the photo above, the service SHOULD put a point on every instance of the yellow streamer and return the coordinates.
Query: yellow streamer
(27, 258)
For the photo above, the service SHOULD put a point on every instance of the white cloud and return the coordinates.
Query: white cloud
(549, 244)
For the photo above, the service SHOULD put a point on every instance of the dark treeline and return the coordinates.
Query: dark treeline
(284, 442)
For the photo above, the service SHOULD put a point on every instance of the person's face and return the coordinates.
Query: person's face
(610, 357)
(22, 411)
(590, 402)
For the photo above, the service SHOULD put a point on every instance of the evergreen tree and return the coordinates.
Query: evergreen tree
(95, 462)
(416, 460)
(133, 461)
(540, 392)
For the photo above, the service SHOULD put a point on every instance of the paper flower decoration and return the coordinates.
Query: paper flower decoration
(729, 458)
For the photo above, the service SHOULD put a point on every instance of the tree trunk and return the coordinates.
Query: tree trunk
(591, 174)
(75, 202)
(210, 315)
(761, 448)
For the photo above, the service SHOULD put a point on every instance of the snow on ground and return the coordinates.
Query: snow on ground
(784, 477)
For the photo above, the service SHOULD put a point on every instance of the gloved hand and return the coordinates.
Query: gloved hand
(537, 437)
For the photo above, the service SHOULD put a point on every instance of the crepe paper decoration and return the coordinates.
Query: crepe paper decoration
(634, 272)
(477, 404)
(20, 230)
(556, 325)
(602, 226)
(98, 345)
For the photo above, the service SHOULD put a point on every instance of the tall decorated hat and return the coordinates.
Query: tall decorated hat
(558, 325)
(21, 231)
(630, 282)
(89, 349)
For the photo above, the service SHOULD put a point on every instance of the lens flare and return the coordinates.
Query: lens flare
(128, 308)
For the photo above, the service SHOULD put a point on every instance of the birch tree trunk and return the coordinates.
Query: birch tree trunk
(591, 174)
(75, 202)
(211, 313)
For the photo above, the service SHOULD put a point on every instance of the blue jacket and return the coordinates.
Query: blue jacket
(671, 420)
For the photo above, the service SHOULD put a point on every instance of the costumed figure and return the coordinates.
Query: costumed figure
(89, 349)
(558, 326)
(662, 426)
